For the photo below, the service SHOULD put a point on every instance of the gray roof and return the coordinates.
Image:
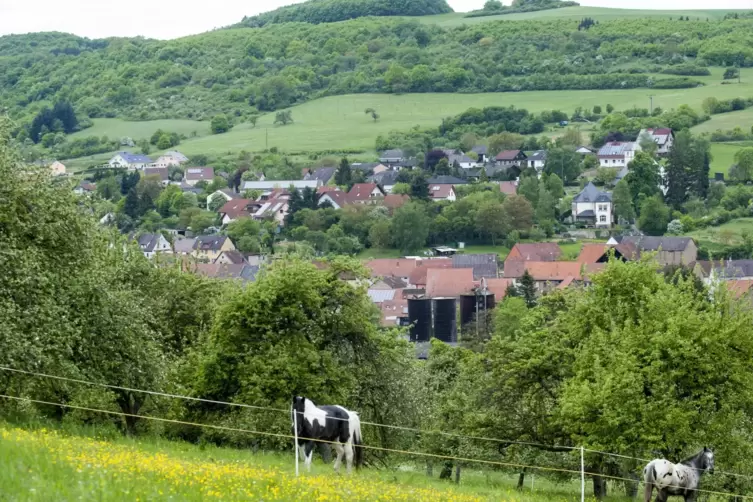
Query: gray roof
(446, 180)
(323, 174)
(483, 265)
(381, 295)
(480, 149)
(184, 246)
(538, 155)
(592, 194)
(646, 243)
(365, 166)
(459, 158)
(210, 242)
(616, 148)
(135, 158)
(392, 154)
(284, 184)
(147, 242)
(388, 178)
(730, 269)
(588, 213)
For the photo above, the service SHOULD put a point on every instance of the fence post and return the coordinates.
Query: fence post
(295, 439)
(582, 476)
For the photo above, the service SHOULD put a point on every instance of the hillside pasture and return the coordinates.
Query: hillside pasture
(339, 122)
(723, 156)
(730, 233)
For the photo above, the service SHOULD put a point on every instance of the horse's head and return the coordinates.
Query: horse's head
(707, 460)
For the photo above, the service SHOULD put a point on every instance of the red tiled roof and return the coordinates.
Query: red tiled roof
(393, 308)
(391, 267)
(162, 172)
(451, 282)
(508, 187)
(361, 191)
(537, 251)
(236, 208)
(508, 155)
(418, 276)
(498, 287)
(200, 173)
(440, 191)
(591, 253)
(740, 287)
(394, 201)
(327, 188)
(551, 270)
(340, 198)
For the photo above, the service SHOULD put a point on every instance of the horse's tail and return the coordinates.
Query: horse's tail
(355, 434)
(649, 479)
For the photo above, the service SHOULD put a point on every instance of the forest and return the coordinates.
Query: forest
(243, 72)
(331, 11)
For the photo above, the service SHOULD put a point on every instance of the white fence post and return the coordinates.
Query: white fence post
(295, 439)
(582, 477)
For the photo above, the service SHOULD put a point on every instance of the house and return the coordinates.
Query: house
(365, 193)
(583, 150)
(226, 193)
(508, 187)
(227, 271)
(663, 137)
(462, 160)
(385, 179)
(57, 168)
(417, 278)
(285, 184)
(537, 251)
(483, 153)
(84, 188)
(153, 244)
(323, 174)
(593, 207)
(369, 168)
(599, 253)
(130, 161)
(724, 270)
(448, 282)
(395, 201)
(442, 192)
(551, 274)
(392, 156)
(184, 246)
(171, 158)
(107, 219)
(510, 158)
(498, 287)
(393, 267)
(275, 208)
(381, 295)
(231, 258)
(160, 172)
(336, 198)
(389, 283)
(483, 265)
(617, 154)
(669, 250)
(235, 209)
(537, 159)
(197, 174)
(394, 312)
(210, 247)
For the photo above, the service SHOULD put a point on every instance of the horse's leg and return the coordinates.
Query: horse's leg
(661, 496)
(339, 456)
(349, 455)
(309, 451)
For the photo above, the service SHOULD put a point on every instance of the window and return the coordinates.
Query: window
(603, 219)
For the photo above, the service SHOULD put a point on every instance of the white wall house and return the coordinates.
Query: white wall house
(171, 158)
(663, 137)
(153, 244)
(537, 160)
(617, 154)
(132, 161)
(57, 168)
(593, 207)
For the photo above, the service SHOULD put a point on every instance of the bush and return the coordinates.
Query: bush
(687, 69)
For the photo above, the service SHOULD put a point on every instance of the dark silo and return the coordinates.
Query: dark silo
(445, 320)
(467, 309)
(419, 315)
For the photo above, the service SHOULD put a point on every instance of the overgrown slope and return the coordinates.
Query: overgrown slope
(243, 70)
(330, 11)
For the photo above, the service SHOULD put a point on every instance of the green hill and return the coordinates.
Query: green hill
(330, 11)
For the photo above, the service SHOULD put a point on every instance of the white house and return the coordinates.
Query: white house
(131, 161)
(337, 198)
(285, 184)
(196, 174)
(663, 137)
(617, 154)
(463, 161)
(439, 192)
(226, 193)
(152, 244)
(392, 156)
(537, 159)
(593, 207)
(57, 168)
(171, 158)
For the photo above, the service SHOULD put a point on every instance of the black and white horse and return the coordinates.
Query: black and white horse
(334, 424)
(681, 479)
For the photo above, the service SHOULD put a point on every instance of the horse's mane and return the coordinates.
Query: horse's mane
(692, 458)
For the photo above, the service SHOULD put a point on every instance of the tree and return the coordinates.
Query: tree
(410, 227)
(528, 187)
(490, 220)
(504, 141)
(201, 220)
(610, 108)
(284, 117)
(654, 216)
(519, 212)
(380, 235)
(555, 186)
(605, 175)
(164, 142)
(527, 289)
(442, 167)
(744, 163)
(597, 109)
(687, 168)
(401, 189)
(216, 202)
(643, 177)
(623, 202)
(493, 5)
(131, 206)
(253, 119)
(563, 162)
(545, 206)
(419, 186)
(647, 144)
(145, 147)
(220, 124)
(373, 113)
(343, 173)
(467, 142)
(570, 138)
(731, 73)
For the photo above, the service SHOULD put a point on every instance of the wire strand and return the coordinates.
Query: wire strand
(367, 447)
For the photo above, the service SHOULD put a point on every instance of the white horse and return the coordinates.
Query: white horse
(681, 479)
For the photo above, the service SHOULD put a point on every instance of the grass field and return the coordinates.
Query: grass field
(576, 14)
(43, 465)
(723, 156)
(729, 233)
(116, 128)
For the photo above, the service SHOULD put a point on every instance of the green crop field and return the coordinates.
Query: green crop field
(43, 464)
(576, 14)
(339, 122)
(725, 121)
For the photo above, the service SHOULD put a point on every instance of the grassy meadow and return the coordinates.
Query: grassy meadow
(41, 464)
(726, 234)
(576, 14)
